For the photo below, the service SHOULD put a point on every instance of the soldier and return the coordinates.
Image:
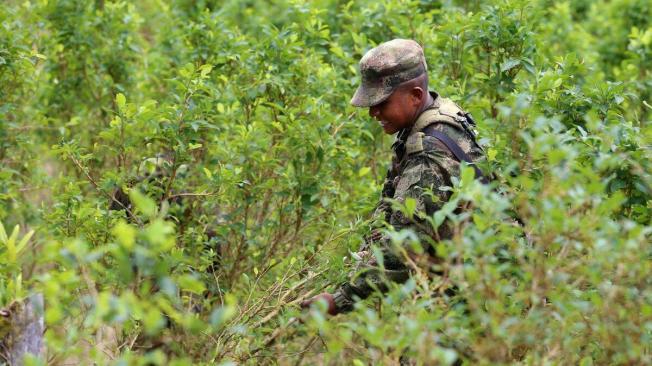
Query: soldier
(433, 136)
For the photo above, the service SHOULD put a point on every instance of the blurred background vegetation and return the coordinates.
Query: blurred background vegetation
(192, 170)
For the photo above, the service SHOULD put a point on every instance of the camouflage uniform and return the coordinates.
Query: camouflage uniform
(421, 163)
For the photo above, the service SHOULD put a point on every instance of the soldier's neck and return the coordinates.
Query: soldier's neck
(427, 103)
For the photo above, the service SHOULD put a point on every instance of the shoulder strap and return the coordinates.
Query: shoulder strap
(460, 155)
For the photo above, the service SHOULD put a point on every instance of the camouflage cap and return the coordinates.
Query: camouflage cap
(385, 67)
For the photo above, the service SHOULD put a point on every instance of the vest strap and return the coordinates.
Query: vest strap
(457, 151)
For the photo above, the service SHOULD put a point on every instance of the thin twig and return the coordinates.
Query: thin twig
(645, 103)
(97, 188)
(270, 339)
(27, 189)
(188, 194)
(302, 354)
(272, 314)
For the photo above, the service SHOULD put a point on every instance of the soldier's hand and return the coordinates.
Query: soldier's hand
(326, 297)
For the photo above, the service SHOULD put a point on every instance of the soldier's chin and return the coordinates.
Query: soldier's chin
(388, 128)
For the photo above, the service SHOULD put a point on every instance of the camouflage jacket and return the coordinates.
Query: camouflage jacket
(420, 164)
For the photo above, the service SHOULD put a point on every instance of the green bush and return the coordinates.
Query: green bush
(193, 170)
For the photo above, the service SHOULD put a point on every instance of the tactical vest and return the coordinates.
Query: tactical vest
(447, 112)
(442, 111)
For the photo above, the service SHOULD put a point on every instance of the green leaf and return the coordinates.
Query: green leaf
(467, 175)
(208, 173)
(410, 206)
(143, 204)
(586, 361)
(3, 233)
(557, 83)
(509, 64)
(159, 234)
(153, 321)
(190, 283)
(23, 242)
(12, 252)
(120, 101)
(204, 70)
(223, 313)
(14, 235)
(491, 154)
(125, 233)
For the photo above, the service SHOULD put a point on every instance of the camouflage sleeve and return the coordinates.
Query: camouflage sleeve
(423, 172)
(380, 214)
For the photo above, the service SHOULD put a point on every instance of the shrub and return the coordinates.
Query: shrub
(193, 171)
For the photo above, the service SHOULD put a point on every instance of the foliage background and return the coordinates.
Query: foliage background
(228, 126)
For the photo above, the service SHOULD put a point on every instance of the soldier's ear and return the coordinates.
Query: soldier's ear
(417, 93)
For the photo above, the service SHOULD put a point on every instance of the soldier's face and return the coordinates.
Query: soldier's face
(396, 112)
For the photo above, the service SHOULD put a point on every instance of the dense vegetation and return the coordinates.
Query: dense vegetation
(192, 170)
